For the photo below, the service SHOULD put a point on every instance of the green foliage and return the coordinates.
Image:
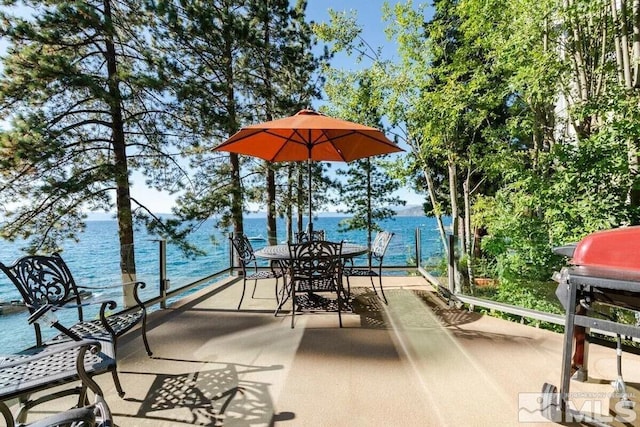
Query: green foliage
(576, 190)
(368, 196)
(517, 239)
(588, 190)
(368, 190)
(539, 296)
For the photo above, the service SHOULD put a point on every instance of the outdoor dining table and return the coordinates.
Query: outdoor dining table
(281, 252)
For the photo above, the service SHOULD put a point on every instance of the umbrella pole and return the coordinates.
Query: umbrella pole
(310, 196)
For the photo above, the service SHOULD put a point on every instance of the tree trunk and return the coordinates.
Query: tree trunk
(628, 70)
(272, 232)
(455, 219)
(232, 126)
(300, 194)
(289, 219)
(236, 195)
(271, 206)
(617, 40)
(467, 230)
(426, 172)
(369, 220)
(624, 40)
(123, 196)
(636, 44)
(634, 161)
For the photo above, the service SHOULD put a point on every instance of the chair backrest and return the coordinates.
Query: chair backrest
(243, 248)
(305, 236)
(315, 265)
(380, 245)
(42, 279)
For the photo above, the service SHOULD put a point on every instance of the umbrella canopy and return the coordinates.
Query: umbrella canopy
(309, 135)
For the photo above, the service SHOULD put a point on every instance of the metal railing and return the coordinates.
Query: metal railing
(414, 262)
(453, 296)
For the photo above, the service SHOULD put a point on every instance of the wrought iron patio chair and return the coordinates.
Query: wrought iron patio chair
(306, 236)
(42, 368)
(46, 282)
(315, 266)
(377, 252)
(250, 270)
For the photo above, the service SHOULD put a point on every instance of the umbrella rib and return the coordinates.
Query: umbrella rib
(350, 133)
(384, 141)
(303, 141)
(286, 140)
(324, 133)
(302, 136)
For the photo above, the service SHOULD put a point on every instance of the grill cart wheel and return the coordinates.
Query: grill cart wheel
(549, 404)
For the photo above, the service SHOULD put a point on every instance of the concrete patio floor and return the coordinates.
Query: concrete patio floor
(413, 362)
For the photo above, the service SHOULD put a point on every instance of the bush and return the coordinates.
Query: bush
(538, 296)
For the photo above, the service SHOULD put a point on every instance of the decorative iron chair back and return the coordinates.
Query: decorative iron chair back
(305, 236)
(380, 245)
(43, 280)
(243, 248)
(316, 265)
(249, 265)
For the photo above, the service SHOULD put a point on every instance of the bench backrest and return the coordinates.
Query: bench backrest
(42, 280)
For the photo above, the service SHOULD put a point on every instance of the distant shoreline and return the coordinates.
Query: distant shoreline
(415, 211)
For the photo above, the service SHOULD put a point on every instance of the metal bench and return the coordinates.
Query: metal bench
(46, 284)
(42, 368)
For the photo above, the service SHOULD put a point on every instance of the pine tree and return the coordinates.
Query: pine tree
(282, 67)
(368, 195)
(204, 45)
(83, 109)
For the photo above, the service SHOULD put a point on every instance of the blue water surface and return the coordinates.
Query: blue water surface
(95, 261)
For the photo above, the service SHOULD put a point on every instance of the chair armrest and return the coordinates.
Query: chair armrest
(7, 415)
(104, 306)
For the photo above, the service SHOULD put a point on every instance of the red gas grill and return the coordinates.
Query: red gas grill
(605, 269)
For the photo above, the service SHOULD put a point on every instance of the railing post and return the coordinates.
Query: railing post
(164, 282)
(231, 254)
(418, 247)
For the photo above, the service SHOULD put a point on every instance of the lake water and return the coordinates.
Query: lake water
(95, 260)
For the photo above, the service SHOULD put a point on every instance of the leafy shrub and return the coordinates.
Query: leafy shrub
(538, 296)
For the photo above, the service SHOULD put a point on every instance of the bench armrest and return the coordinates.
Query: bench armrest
(136, 287)
(45, 314)
(62, 363)
(51, 350)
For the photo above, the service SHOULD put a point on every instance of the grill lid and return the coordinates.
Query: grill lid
(616, 248)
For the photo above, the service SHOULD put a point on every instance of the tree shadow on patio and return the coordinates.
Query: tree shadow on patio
(371, 309)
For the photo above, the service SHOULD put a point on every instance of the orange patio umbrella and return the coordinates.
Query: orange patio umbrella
(310, 136)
